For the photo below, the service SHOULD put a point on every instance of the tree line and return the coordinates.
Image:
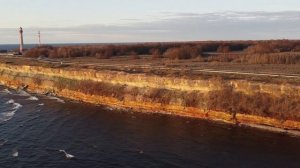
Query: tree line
(257, 52)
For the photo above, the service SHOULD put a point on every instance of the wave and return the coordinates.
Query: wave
(6, 91)
(56, 98)
(109, 108)
(15, 153)
(11, 101)
(3, 142)
(33, 98)
(6, 116)
(67, 155)
(26, 94)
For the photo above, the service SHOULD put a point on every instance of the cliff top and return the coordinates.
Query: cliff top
(192, 69)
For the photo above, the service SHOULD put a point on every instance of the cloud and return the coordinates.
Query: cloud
(175, 27)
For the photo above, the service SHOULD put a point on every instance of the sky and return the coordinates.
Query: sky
(105, 21)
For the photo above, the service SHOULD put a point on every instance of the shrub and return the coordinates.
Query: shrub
(260, 104)
(277, 58)
(193, 99)
(162, 96)
(134, 55)
(37, 80)
(185, 52)
(103, 55)
(91, 87)
(224, 49)
(260, 48)
(156, 54)
(225, 100)
(39, 51)
(297, 48)
(53, 54)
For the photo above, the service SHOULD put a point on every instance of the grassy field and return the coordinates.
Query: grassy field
(190, 68)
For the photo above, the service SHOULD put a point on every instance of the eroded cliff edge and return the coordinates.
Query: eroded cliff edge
(232, 101)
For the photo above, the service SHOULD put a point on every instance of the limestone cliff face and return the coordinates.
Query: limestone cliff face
(42, 80)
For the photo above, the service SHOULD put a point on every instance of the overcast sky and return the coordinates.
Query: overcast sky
(92, 21)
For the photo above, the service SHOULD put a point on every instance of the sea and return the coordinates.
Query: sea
(10, 47)
(38, 131)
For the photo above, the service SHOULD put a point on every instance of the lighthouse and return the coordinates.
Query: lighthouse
(21, 40)
(39, 35)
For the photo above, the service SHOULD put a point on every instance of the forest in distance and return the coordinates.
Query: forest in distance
(251, 52)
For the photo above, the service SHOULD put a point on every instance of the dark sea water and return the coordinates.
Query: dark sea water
(10, 47)
(34, 128)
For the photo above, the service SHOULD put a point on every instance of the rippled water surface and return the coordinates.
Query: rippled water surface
(34, 128)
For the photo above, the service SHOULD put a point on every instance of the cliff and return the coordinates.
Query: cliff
(233, 101)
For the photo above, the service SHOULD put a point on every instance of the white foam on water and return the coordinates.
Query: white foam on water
(109, 108)
(56, 98)
(33, 98)
(11, 101)
(17, 106)
(3, 142)
(15, 153)
(6, 91)
(6, 116)
(67, 155)
(42, 104)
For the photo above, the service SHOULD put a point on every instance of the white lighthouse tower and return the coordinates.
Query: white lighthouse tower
(39, 36)
(21, 40)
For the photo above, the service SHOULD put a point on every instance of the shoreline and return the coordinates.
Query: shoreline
(16, 76)
(214, 117)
